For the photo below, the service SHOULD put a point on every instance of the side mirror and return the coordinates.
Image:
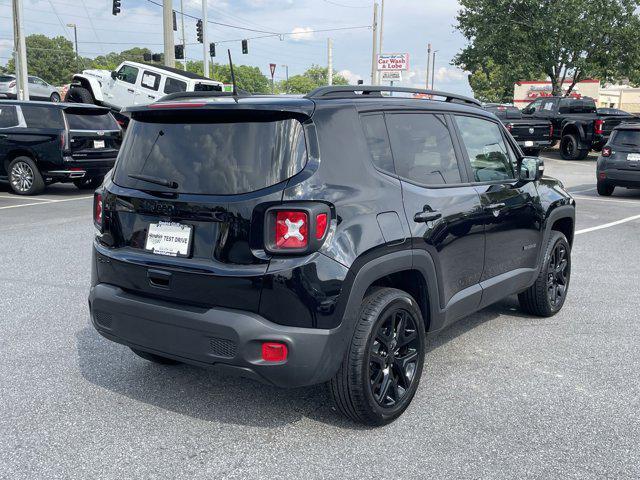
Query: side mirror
(531, 169)
(114, 74)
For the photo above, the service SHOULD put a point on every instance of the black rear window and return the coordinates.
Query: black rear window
(103, 121)
(626, 137)
(575, 105)
(6, 78)
(504, 113)
(42, 117)
(211, 158)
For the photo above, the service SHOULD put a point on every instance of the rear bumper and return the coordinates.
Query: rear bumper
(534, 144)
(72, 170)
(217, 337)
(620, 178)
(11, 96)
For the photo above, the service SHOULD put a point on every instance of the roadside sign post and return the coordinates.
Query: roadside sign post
(272, 68)
(391, 65)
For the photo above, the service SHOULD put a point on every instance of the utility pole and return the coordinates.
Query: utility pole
(330, 61)
(433, 68)
(167, 28)
(428, 64)
(20, 49)
(205, 44)
(184, 42)
(380, 51)
(75, 37)
(286, 69)
(374, 52)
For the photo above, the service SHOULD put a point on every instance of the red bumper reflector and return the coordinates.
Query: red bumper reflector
(274, 352)
(603, 175)
(321, 225)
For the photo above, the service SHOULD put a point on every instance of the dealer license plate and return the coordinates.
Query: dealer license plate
(528, 143)
(633, 157)
(98, 144)
(169, 238)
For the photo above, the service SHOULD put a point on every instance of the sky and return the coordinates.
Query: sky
(408, 26)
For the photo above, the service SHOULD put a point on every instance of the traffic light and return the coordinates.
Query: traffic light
(175, 23)
(245, 46)
(212, 49)
(116, 7)
(179, 52)
(199, 30)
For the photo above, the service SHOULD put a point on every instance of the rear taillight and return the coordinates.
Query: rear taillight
(598, 127)
(63, 140)
(296, 228)
(509, 126)
(274, 352)
(606, 151)
(292, 229)
(97, 210)
(12, 84)
(551, 131)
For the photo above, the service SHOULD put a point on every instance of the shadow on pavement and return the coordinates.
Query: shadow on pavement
(211, 396)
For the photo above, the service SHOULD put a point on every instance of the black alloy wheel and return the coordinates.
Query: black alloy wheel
(558, 275)
(393, 357)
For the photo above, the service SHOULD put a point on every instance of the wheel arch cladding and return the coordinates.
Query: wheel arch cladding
(564, 225)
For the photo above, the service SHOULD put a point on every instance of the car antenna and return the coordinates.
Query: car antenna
(233, 77)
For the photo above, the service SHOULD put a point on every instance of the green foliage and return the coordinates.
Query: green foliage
(248, 78)
(111, 60)
(566, 39)
(316, 76)
(52, 59)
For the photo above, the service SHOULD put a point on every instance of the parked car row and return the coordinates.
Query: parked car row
(38, 89)
(43, 143)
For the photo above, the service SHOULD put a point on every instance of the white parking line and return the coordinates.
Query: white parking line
(573, 192)
(607, 200)
(607, 225)
(17, 197)
(45, 202)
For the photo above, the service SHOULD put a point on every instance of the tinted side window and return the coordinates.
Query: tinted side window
(422, 148)
(150, 80)
(128, 74)
(548, 105)
(486, 148)
(8, 116)
(172, 85)
(42, 117)
(375, 132)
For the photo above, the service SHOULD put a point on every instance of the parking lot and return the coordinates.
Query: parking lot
(502, 396)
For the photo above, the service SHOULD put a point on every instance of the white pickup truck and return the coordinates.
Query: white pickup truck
(134, 83)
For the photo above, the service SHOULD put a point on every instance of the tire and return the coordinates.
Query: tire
(152, 357)
(24, 176)
(547, 295)
(605, 189)
(79, 95)
(55, 97)
(367, 368)
(90, 183)
(570, 148)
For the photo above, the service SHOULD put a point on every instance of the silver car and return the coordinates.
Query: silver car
(38, 88)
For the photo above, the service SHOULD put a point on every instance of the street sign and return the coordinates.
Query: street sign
(272, 67)
(391, 76)
(393, 61)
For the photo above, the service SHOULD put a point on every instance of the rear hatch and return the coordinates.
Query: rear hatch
(93, 135)
(183, 214)
(625, 150)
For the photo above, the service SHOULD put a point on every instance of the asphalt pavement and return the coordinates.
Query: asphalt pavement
(503, 395)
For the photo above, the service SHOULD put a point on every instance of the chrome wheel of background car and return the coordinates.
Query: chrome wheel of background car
(55, 98)
(394, 357)
(21, 176)
(558, 275)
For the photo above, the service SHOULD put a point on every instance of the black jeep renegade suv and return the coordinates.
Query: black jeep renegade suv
(320, 238)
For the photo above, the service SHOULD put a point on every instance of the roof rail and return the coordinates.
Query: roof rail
(202, 94)
(368, 91)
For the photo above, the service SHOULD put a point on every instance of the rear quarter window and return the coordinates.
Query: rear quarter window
(171, 85)
(8, 116)
(42, 117)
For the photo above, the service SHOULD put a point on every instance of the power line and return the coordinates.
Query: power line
(346, 6)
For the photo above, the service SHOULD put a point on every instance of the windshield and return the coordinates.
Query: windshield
(211, 158)
(626, 137)
(104, 121)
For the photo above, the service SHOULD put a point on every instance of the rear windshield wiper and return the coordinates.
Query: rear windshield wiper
(158, 181)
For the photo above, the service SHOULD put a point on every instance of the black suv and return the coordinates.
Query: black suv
(43, 143)
(319, 239)
(619, 162)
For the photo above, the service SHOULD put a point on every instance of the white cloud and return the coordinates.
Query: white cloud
(450, 74)
(302, 33)
(351, 77)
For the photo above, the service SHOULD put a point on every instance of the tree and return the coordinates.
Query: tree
(248, 78)
(569, 39)
(315, 76)
(110, 61)
(52, 59)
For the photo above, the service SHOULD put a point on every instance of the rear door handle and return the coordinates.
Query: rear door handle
(151, 97)
(426, 216)
(130, 90)
(159, 278)
(495, 206)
